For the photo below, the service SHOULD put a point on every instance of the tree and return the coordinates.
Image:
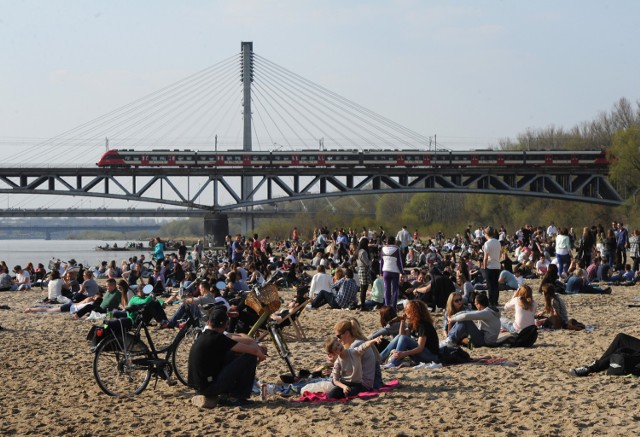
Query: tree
(625, 153)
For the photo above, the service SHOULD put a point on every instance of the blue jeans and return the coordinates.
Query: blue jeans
(180, 314)
(563, 263)
(403, 343)
(467, 328)
(325, 297)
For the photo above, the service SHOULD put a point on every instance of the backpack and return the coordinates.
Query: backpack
(525, 338)
(454, 355)
(624, 362)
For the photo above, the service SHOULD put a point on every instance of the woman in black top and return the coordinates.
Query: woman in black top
(417, 339)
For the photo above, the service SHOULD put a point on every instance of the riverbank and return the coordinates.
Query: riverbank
(48, 385)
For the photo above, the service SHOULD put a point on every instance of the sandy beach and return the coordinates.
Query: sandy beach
(48, 386)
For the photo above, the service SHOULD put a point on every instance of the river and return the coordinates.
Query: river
(22, 252)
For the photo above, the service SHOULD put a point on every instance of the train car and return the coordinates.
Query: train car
(350, 158)
(565, 157)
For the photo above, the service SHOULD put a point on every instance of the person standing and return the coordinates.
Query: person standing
(158, 250)
(491, 265)
(622, 242)
(182, 251)
(563, 251)
(237, 249)
(364, 270)
(404, 239)
(391, 269)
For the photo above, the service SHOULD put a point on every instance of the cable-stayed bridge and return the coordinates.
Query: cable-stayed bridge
(249, 104)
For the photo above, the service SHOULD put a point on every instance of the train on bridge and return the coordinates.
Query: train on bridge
(352, 158)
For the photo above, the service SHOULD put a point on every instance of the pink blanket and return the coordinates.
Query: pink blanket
(322, 397)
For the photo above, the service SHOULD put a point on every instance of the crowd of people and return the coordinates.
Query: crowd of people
(459, 277)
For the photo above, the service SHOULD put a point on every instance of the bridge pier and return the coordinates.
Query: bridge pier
(216, 227)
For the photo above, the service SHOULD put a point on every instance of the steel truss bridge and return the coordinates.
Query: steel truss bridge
(220, 190)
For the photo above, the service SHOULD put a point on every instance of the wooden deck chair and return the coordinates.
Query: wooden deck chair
(292, 319)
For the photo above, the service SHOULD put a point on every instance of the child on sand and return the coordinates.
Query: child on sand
(347, 369)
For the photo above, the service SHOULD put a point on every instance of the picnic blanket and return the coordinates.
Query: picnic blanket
(494, 361)
(322, 397)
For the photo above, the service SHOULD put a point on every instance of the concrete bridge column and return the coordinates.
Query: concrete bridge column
(216, 227)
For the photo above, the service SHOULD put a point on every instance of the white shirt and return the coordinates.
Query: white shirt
(55, 289)
(551, 230)
(320, 281)
(491, 248)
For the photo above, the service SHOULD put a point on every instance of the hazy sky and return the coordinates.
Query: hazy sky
(471, 72)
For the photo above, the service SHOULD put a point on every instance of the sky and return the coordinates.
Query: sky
(470, 72)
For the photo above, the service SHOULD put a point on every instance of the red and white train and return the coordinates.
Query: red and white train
(351, 158)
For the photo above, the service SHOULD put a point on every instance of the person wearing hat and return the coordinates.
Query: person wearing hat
(222, 368)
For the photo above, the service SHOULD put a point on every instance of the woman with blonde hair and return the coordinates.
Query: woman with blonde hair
(525, 309)
(455, 304)
(349, 332)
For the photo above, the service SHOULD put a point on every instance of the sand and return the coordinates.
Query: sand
(48, 386)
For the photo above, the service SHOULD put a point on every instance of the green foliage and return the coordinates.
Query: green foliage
(625, 170)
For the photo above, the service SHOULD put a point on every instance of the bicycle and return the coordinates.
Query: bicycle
(123, 363)
(265, 301)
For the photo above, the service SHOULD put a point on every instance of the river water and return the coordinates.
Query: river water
(83, 251)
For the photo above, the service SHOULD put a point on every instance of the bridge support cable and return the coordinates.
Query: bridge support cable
(307, 100)
(366, 116)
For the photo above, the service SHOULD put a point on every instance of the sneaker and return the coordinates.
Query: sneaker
(309, 307)
(388, 366)
(201, 401)
(447, 342)
(580, 371)
(606, 290)
(233, 402)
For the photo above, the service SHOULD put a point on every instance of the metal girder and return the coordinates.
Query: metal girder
(220, 189)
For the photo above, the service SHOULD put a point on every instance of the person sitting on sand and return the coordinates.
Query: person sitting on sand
(68, 307)
(347, 368)
(193, 304)
(111, 300)
(222, 368)
(23, 279)
(455, 304)
(153, 307)
(621, 344)
(5, 279)
(89, 286)
(554, 315)
(350, 334)
(417, 338)
(576, 284)
(525, 309)
(376, 295)
(390, 323)
(320, 281)
(346, 293)
(481, 326)
(54, 286)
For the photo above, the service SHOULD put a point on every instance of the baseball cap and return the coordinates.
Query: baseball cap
(218, 317)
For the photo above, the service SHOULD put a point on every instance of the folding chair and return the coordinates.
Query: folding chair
(293, 319)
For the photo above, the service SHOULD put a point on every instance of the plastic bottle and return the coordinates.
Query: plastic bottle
(109, 314)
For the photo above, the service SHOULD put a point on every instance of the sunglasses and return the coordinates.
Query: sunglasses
(339, 336)
(457, 300)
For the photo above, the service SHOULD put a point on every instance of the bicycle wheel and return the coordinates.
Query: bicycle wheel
(180, 358)
(116, 370)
